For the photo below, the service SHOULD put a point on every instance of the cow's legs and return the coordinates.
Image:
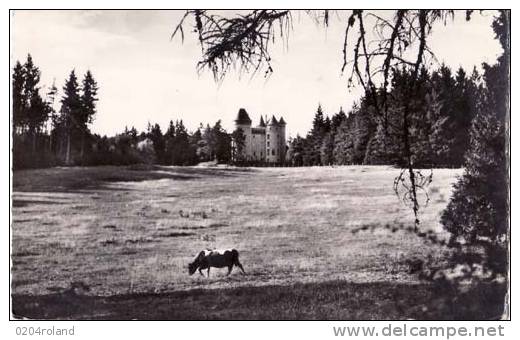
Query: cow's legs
(230, 268)
(200, 271)
(240, 266)
(208, 271)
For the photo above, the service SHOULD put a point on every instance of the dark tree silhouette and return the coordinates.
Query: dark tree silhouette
(238, 138)
(478, 211)
(19, 119)
(88, 103)
(71, 112)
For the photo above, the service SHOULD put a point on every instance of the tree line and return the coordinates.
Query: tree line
(44, 136)
(176, 146)
(442, 110)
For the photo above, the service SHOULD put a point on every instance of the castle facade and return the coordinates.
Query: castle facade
(264, 142)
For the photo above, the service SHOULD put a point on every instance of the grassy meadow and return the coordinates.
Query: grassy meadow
(114, 243)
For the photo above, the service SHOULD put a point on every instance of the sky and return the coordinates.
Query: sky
(144, 76)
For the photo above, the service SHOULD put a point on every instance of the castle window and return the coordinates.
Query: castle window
(273, 152)
(268, 135)
(267, 143)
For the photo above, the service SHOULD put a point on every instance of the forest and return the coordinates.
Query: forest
(442, 111)
(446, 103)
(46, 137)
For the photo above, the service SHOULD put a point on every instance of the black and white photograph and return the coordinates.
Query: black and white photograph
(259, 164)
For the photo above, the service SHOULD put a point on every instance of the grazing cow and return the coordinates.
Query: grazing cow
(215, 258)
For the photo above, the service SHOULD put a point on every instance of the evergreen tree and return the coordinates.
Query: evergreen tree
(182, 144)
(206, 148)
(337, 119)
(478, 210)
(222, 143)
(344, 140)
(239, 140)
(71, 112)
(381, 148)
(326, 126)
(362, 130)
(440, 139)
(88, 104)
(195, 144)
(134, 137)
(318, 123)
(462, 112)
(297, 150)
(327, 149)
(169, 139)
(18, 82)
(158, 143)
(51, 99)
(312, 153)
(36, 109)
(443, 140)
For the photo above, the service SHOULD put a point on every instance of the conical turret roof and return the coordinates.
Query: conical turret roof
(262, 123)
(273, 121)
(282, 122)
(242, 117)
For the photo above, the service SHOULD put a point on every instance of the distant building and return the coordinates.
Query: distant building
(265, 142)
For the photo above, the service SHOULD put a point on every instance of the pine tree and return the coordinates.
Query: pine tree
(440, 137)
(318, 123)
(314, 138)
(344, 140)
(51, 100)
(327, 149)
(337, 119)
(463, 110)
(222, 143)
(239, 140)
(88, 104)
(182, 144)
(169, 139)
(206, 149)
(195, 144)
(18, 82)
(362, 130)
(36, 109)
(297, 150)
(378, 148)
(478, 210)
(71, 112)
(158, 143)
(446, 127)
(133, 136)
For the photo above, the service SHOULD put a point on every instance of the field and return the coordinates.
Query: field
(114, 243)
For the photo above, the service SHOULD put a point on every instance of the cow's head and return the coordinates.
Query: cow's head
(192, 267)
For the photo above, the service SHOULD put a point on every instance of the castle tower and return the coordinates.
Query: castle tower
(264, 142)
(244, 122)
(258, 142)
(275, 140)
